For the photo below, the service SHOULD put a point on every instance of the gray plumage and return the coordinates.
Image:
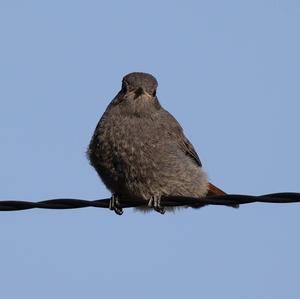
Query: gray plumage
(139, 149)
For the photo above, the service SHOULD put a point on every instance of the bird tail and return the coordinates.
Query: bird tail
(213, 190)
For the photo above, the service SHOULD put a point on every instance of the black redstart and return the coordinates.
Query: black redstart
(140, 151)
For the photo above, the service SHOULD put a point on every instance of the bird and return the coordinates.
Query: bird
(139, 149)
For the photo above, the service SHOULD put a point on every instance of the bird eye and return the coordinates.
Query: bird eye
(154, 93)
(124, 87)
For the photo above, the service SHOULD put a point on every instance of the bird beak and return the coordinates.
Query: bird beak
(140, 91)
(148, 94)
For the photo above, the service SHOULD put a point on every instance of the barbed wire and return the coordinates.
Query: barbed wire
(172, 201)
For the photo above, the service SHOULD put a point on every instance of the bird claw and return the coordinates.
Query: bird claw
(154, 202)
(114, 205)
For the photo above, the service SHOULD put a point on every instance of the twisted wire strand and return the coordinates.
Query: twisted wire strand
(224, 200)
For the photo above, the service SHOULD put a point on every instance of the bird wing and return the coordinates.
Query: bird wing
(176, 131)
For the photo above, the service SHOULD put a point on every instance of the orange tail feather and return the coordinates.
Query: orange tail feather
(213, 190)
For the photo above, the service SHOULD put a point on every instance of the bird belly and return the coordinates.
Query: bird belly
(133, 160)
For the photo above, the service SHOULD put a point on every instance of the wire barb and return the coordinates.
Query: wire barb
(224, 200)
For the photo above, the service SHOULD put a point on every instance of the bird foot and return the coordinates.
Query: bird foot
(114, 205)
(154, 202)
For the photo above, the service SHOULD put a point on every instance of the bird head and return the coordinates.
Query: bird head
(139, 85)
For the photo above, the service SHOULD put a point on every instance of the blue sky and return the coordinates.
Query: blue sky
(228, 70)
